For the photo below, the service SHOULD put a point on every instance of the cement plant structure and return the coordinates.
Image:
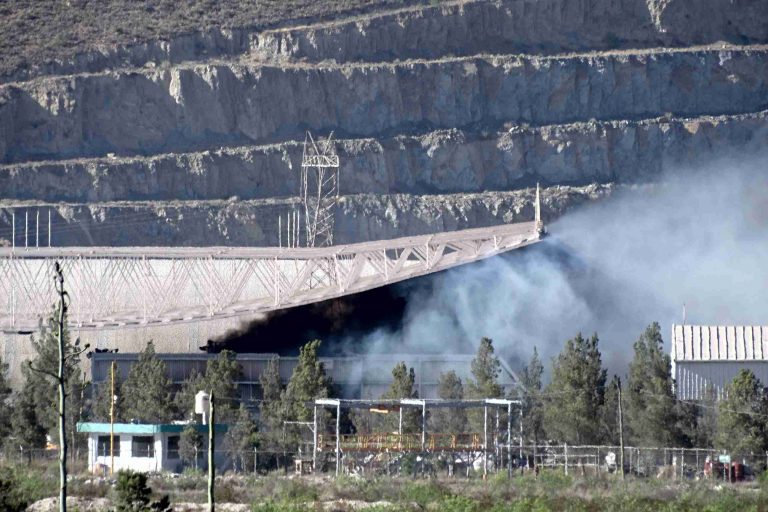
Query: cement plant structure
(183, 296)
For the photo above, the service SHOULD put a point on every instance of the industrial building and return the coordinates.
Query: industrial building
(144, 447)
(706, 356)
(358, 376)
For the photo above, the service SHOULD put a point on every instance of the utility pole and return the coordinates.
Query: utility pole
(112, 399)
(211, 462)
(59, 280)
(621, 431)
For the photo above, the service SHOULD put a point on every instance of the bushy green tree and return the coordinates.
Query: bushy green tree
(146, 393)
(652, 411)
(576, 393)
(742, 425)
(530, 394)
(241, 439)
(484, 383)
(449, 420)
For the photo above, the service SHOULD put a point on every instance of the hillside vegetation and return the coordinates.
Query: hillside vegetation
(36, 31)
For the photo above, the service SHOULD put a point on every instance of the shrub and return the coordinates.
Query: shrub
(133, 494)
(19, 487)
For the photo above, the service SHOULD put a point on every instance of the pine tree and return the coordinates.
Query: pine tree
(609, 415)
(39, 395)
(449, 420)
(147, 390)
(271, 408)
(5, 406)
(403, 386)
(26, 429)
(100, 406)
(190, 444)
(652, 413)
(706, 419)
(742, 425)
(530, 395)
(184, 399)
(241, 439)
(576, 394)
(221, 376)
(307, 383)
(486, 368)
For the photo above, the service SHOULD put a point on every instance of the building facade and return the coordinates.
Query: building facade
(145, 447)
(706, 358)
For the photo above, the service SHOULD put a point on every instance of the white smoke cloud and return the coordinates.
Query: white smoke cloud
(699, 236)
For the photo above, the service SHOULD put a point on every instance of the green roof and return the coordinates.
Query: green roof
(144, 428)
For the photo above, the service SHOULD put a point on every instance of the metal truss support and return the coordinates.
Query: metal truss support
(319, 190)
(134, 286)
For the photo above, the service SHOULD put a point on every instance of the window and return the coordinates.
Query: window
(102, 446)
(143, 446)
(173, 447)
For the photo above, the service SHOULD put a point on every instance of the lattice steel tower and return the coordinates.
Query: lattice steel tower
(319, 189)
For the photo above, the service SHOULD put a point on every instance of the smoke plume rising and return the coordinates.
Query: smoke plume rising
(698, 237)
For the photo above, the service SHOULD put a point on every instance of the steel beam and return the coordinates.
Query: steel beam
(135, 286)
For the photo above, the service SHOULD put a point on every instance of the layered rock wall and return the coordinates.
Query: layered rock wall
(202, 106)
(446, 161)
(462, 27)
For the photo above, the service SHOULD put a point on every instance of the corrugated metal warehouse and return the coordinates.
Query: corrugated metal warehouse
(361, 376)
(712, 355)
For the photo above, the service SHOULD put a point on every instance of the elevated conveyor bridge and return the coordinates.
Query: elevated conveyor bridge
(124, 287)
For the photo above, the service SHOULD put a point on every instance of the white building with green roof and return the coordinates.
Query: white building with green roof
(145, 447)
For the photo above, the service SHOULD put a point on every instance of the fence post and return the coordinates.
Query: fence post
(565, 451)
(597, 462)
(682, 464)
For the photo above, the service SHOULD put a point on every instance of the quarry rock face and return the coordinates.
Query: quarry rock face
(445, 116)
(187, 108)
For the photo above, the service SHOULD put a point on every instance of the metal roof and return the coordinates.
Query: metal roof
(416, 402)
(144, 428)
(719, 343)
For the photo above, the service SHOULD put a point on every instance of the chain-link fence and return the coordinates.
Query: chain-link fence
(584, 460)
(656, 462)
